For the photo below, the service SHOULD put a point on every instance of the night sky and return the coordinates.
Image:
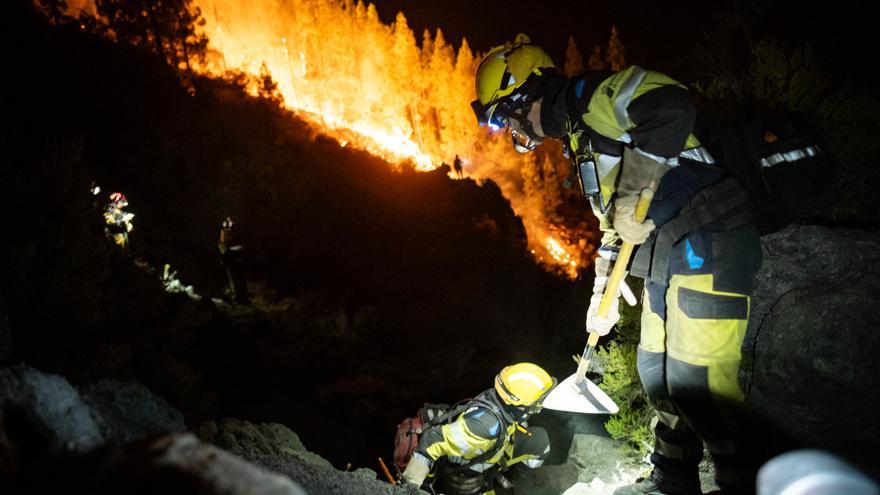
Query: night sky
(487, 23)
(656, 34)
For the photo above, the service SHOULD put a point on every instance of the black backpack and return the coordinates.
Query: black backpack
(783, 169)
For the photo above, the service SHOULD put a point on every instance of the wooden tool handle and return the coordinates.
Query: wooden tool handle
(619, 270)
(617, 274)
(387, 473)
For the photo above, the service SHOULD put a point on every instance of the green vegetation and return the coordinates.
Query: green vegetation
(632, 424)
(757, 72)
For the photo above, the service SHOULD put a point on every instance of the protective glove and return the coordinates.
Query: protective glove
(602, 326)
(416, 471)
(625, 223)
(603, 267)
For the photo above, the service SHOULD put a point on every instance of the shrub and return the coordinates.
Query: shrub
(621, 382)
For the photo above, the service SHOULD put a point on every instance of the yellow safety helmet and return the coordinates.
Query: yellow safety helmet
(523, 384)
(501, 78)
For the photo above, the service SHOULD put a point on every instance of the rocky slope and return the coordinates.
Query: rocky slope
(812, 339)
(115, 437)
(806, 371)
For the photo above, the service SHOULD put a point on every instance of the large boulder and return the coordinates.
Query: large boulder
(180, 463)
(176, 463)
(44, 413)
(46, 424)
(251, 440)
(809, 358)
(41, 409)
(128, 411)
(113, 438)
(277, 448)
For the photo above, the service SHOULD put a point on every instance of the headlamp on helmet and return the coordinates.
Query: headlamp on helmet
(496, 113)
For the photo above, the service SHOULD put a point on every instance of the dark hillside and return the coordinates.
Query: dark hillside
(377, 289)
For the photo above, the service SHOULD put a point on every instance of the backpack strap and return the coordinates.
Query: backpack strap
(432, 418)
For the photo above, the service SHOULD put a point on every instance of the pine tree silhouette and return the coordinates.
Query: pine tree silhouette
(596, 62)
(574, 62)
(615, 55)
(167, 28)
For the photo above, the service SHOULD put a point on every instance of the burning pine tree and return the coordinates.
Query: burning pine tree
(369, 84)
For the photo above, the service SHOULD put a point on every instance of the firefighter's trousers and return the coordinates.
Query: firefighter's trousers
(692, 329)
(530, 449)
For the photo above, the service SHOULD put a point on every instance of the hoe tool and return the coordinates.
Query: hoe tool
(576, 393)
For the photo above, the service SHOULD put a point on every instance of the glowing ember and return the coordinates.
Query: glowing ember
(562, 257)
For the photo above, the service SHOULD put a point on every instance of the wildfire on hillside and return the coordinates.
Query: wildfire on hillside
(371, 86)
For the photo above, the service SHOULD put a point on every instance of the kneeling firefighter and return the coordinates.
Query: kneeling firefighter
(698, 251)
(467, 455)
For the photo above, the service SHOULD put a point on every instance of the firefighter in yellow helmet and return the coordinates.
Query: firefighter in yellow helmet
(699, 248)
(467, 455)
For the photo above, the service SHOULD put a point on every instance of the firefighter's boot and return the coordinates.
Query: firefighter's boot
(658, 484)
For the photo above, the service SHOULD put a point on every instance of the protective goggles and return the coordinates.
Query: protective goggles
(497, 116)
(493, 115)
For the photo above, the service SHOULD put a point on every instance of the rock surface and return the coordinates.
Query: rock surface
(807, 372)
(594, 466)
(116, 437)
(45, 412)
(277, 448)
(180, 461)
(129, 411)
(259, 440)
(809, 358)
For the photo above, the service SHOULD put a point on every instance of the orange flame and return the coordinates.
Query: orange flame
(371, 86)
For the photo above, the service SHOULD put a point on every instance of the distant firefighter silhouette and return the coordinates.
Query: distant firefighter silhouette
(232, 257)
(457, 166)
(117, 221)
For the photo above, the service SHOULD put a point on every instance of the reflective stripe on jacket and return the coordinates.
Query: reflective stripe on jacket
(661, 128)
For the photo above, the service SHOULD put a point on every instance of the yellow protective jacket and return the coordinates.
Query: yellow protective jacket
(473, 433)
(599, 114)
